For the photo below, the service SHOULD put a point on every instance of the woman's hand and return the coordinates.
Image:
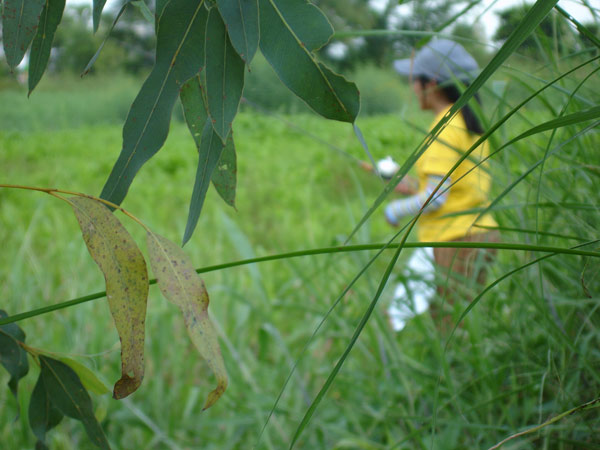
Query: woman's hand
(366, 166)
(407, 186)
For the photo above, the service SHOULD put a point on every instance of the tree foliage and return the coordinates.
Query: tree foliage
(552, 27)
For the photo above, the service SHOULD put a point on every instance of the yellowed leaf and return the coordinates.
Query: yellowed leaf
(126, 276)
(180, 284)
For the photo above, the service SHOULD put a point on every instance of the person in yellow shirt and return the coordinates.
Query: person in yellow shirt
(436, 71)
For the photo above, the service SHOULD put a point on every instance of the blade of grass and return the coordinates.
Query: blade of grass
(591, 404)
(321, 251)
(333, 374)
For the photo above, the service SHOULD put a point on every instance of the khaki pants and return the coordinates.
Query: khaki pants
(464, 266)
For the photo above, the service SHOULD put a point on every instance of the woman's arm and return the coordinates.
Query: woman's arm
(408, 186)
(398, 209)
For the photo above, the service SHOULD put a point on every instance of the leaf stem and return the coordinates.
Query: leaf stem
(548, 422)
(54, 191)
(323, 251)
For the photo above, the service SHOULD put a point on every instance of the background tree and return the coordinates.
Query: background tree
(553, 30)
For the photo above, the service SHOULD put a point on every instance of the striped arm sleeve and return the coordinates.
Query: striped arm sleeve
(409, 206)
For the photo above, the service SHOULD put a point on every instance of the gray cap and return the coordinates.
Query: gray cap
(440, 60)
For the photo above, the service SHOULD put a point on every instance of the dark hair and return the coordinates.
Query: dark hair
(452, 93)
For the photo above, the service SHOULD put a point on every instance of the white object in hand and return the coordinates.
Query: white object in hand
(387, 167)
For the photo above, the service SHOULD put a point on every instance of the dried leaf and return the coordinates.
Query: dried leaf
(126, 276)
(68, 395)
(180, 284)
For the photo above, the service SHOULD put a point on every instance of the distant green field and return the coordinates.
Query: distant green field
(528, 351)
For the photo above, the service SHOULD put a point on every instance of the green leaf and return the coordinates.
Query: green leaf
(580, 27)
(224, 174)
(88, 378)
(194, 106)
(97, 13)
(43, 415)
(180, 284)
(89, 65)
(241, 17)
(209, 153)
(70, 397)
(224, 177)
(42, 42)
(160, 7)
(126, 276)
(143, 8)
(20, 20)
(209, 146)
(179, 56)
(224, 71)
(12, 355)
(290, 30)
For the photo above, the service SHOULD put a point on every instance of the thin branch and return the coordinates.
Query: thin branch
(323, 251)
(587, 405)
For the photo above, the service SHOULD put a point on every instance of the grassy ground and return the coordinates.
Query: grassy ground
(528, 351)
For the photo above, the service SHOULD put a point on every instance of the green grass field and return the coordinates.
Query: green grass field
(529, 350)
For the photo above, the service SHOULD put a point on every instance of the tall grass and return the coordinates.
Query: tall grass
(527, 349)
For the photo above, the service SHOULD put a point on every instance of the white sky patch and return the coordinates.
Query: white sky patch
(484, 13)
(337, 50)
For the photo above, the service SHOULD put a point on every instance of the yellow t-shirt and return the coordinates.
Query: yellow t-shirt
(468, 193)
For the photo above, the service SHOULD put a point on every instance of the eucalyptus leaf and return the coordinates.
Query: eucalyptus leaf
(126, 276)
(209, 153)
(97, 13)
(43, 415)
(241, 17)
(179, 56)
(159, 7)
(20, 20)
(290, 30)
(42, 42)
(224, 177)
(224, 71)
(180, 284)
(193, 100)
(69, 396)
(12, 355)
(143, 8)
(89, 65)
